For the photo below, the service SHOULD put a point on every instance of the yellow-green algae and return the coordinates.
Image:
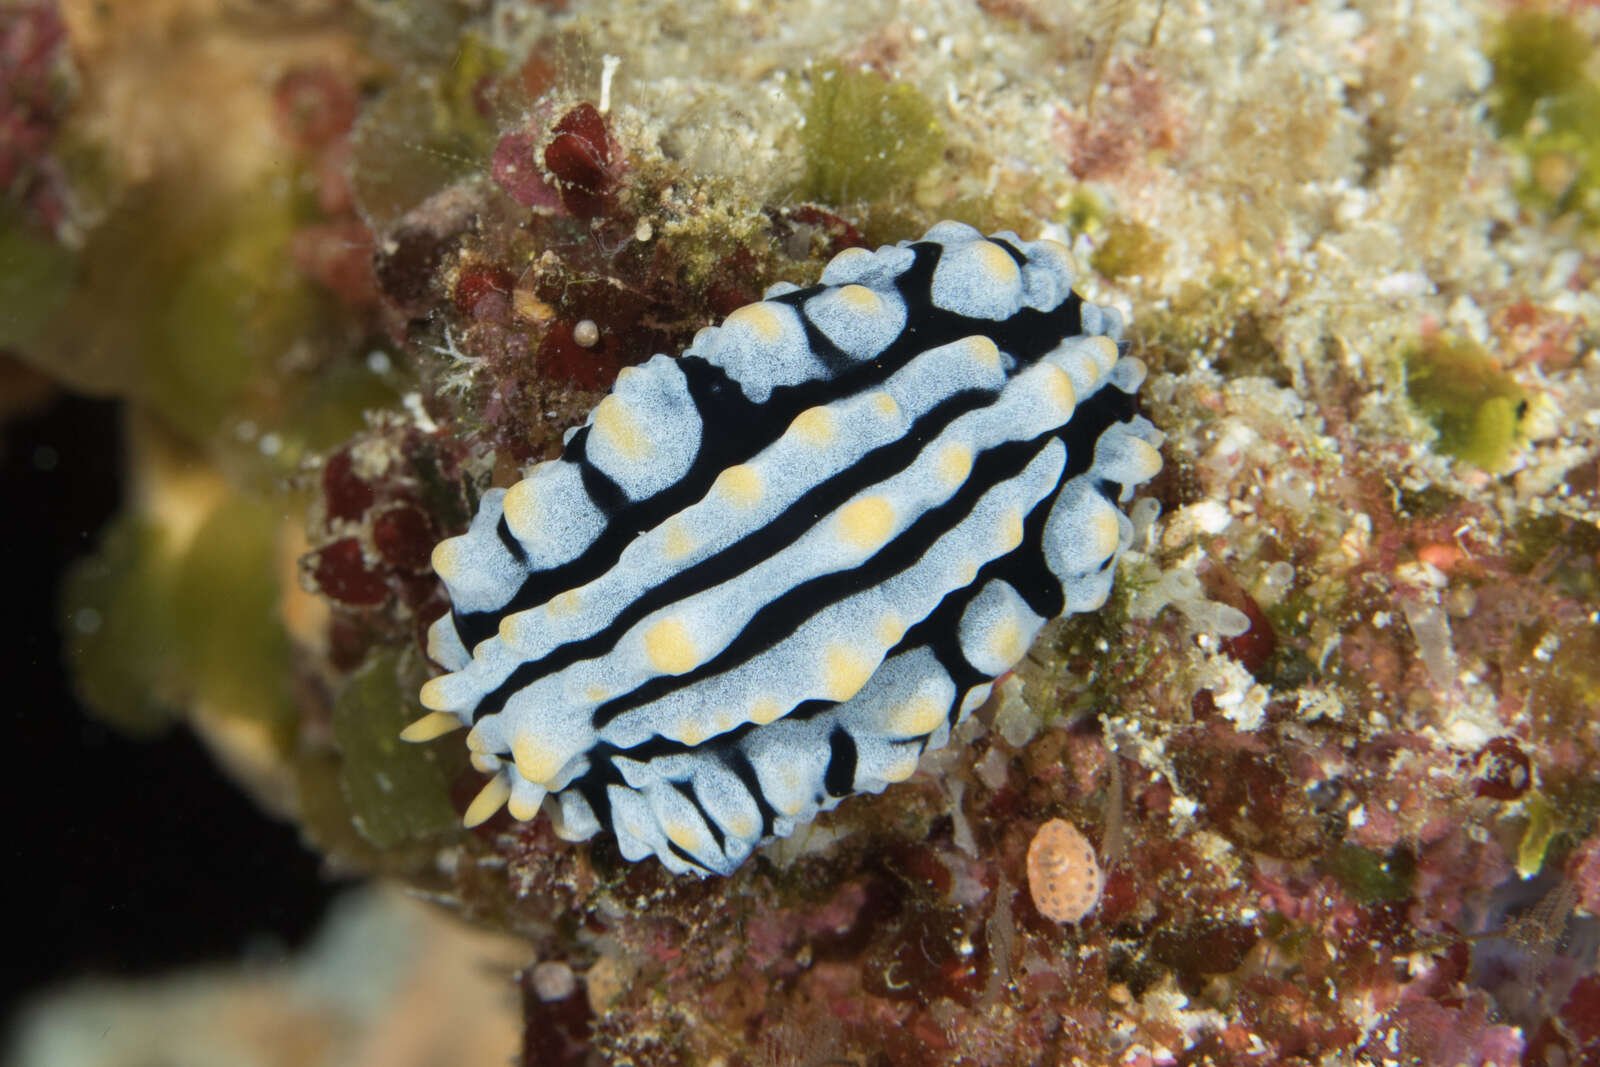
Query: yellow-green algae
(117, 615)
(865, 137)
(226, 601)
(1536, 55)
(1546, 104)
(1472, 404)
(151, 628)
(396, 793)
(1543, 825)
(190, 304)
(231, 310)
(36, 275)
(1127, 249)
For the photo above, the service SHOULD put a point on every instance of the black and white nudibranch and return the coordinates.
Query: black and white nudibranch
(774, 571)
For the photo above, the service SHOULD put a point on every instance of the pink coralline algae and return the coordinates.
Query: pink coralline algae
(32, 37)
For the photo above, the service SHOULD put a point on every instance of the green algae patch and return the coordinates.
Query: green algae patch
(1371, 878)
(475, 64)
(1084, 212)
(235, 304)
(1543, 825)
(1473, 405)
(322, 812)
(187, 303)
(1546, 106)
(330, 407)
(865, 138)
(396, 792)
(150, 626)
(1128, 249)
(119, 627)
(36, 275)
(1536, 55)
(1564, 156)
(233, 649)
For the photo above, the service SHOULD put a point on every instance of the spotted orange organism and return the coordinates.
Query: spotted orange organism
(1064, 877)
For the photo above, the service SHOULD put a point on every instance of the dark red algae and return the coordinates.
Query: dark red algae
(580, 157)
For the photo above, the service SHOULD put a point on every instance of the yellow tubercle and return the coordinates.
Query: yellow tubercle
(676, 540)
(537, 762)
(565, 603)
(521, 509)
(1058, 387)
(1052, 245)
(488, 801)
(815, 426)
(670, 648)
(690, 730)
(523, 807)
(891, 628)
(615, 423)
(1106, 533)
(683, 835)
(998, 264)
(860, 299)
(740, 484)
(761, 319)
(1010, 530)
(983, 351)
(765, 710)
(903, 766)
(1104, 352)
(434, 695)
(844, 671)
(917, 716)
(1007, 642)
(955, 463)
(432, 725)
(866, 523)
(446, 559)
(1147, 459)
(885, 405)
(793, 798)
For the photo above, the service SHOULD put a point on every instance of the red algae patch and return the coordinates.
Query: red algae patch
(1064, 877)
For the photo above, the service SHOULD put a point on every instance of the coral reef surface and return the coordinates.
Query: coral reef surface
(1334, 741)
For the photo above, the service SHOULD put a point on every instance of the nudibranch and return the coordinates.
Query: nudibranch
(774, 571)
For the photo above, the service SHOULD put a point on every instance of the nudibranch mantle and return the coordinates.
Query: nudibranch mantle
(774, 571)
